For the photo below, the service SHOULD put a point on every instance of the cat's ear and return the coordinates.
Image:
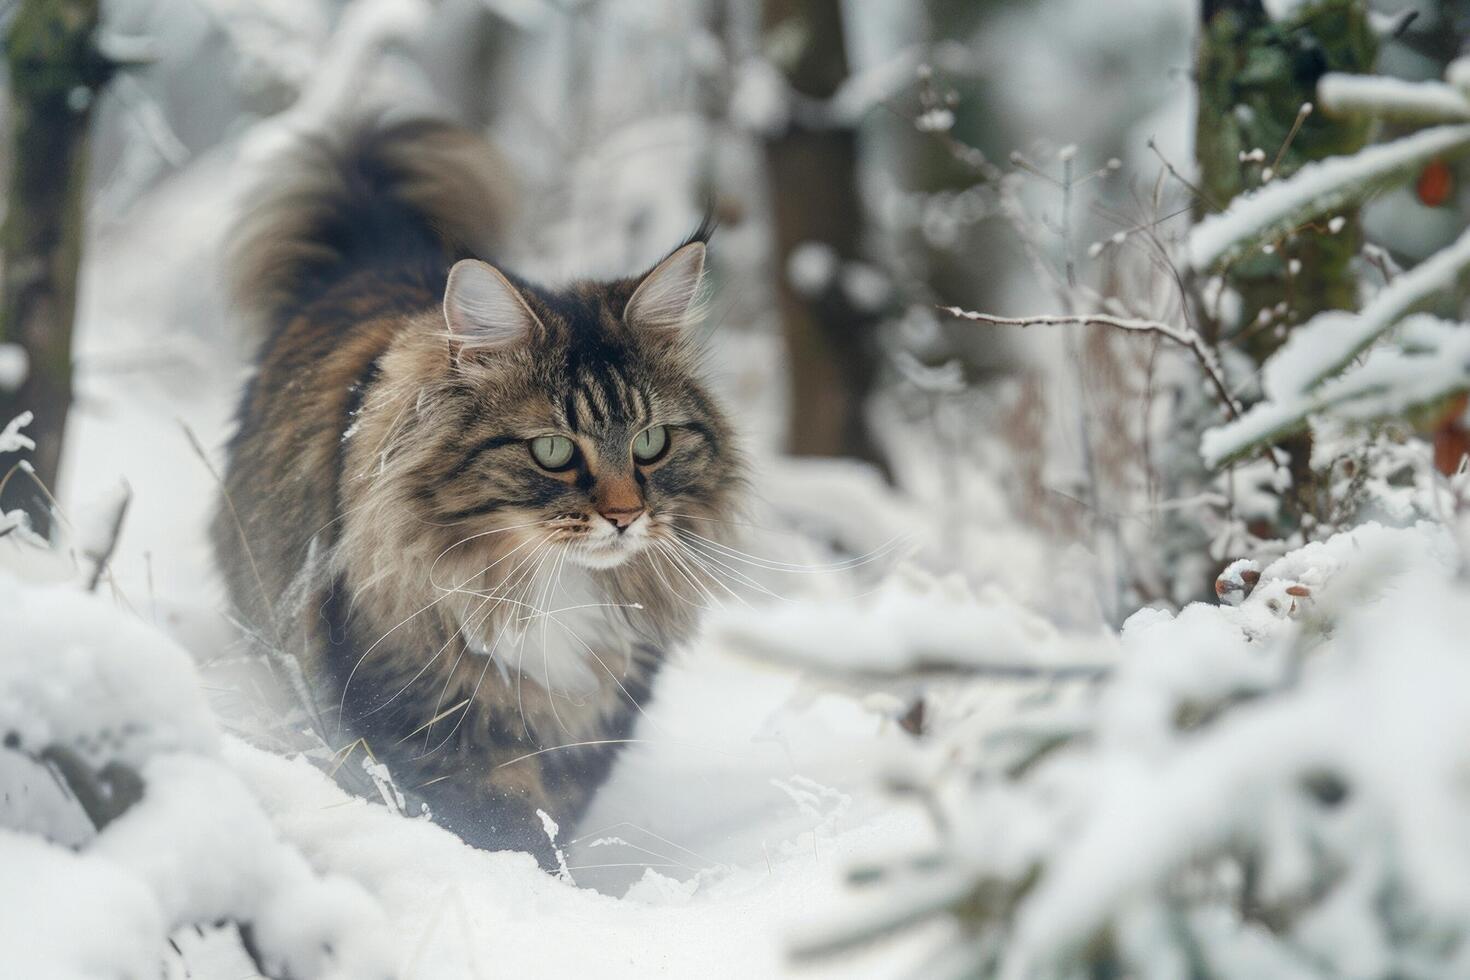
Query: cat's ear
(666, 297)
(483, 310)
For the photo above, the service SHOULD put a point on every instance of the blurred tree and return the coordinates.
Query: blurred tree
(56, 72)
(812, 165)
(1256, 74)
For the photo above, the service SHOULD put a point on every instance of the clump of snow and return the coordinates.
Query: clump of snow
(15, 365)
(811, 267)
(1392, 98)
(1283, 9)
(936, 120)
(761, 101)
(101, 521)
(867, 289)
(113, 711)
(112, 926)
(69, 676)
(11, 438)
(1458, 74)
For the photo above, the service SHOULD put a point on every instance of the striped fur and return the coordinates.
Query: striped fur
(386, 523)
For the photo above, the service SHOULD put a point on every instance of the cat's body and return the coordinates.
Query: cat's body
(399, 515)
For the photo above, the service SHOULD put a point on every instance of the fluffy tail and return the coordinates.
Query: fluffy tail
(384, 195)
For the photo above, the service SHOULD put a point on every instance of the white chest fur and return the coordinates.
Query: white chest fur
(565, 649)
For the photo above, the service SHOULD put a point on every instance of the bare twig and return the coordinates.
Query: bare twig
(1301, 117)
(1174, 172)
(1183, 336)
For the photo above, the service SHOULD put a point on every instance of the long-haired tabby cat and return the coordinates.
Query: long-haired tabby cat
(455, 494)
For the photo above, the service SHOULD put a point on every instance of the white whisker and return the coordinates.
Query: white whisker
(663, 551)
(342, 703)
(626, 693)
(520, 666)
(769, 564)
(698, 562)
(712, 563)
(690, 575)
(540, 549)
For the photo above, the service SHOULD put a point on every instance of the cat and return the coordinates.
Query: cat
(463, 500)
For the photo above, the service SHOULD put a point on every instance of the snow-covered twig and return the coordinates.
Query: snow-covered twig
(1183, 336)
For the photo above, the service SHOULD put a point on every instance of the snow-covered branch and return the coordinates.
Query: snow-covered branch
(101, 706)
(1392, 98)
(1330, 341)
(1430, 363)
(1298, 379)
(1237, 776)
(913, 626)
(1317, 190)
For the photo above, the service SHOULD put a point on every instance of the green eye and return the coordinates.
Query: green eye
(552, 452)
(650, 444)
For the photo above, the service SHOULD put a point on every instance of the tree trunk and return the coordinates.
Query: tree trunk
(1255, 74)
(55, 75)
(813, 181)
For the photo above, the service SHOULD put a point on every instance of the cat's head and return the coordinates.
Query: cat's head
(577, 416)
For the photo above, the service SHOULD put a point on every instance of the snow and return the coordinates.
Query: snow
(936, 120)
(81, 679)
(1283, 9)
(338, 83)
(1350, 718)
(865, 287)
(112, 926)
(11, 438)
(15, 364)
(761, 101)
(1314, 190)
(1432, 364)
(1392, 98)
(1458, 74)
(457, 910)
(1327, 343)
(911, 624)
(811, 267)
(69, 672)
(1298, 380)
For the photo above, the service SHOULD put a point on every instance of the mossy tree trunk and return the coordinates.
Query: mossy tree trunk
(56, 73)
(1254, 76)
(812, 166)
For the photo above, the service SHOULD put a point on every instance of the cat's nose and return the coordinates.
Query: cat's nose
(622, 519)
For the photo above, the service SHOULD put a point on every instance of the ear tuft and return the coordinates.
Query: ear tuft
(483, 310)
(667, 296)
